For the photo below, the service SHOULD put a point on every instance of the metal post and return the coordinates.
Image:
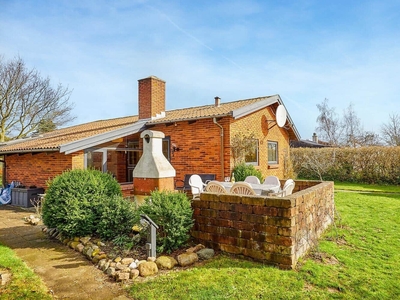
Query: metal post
(151, 235)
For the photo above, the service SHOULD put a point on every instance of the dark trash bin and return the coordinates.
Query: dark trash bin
(22, 196)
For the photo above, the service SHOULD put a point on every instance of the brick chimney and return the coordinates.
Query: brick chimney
(151, 97)
(315, 138)
(217, 101)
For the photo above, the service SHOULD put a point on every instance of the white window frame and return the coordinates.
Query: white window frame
(273, 162)
(254, 163)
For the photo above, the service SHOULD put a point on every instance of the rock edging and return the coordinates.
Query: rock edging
(129, 268)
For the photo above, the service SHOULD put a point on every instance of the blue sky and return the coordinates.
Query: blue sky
(305, 51)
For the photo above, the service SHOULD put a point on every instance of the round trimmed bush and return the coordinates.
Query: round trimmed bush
(117, 216)
(73, 200)
(172, 212)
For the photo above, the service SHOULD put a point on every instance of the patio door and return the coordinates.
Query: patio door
(96, 159)
(132, 158)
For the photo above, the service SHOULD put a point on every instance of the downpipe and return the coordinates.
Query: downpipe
(222, 147)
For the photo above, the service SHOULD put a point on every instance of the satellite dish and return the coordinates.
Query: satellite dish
(281, 116)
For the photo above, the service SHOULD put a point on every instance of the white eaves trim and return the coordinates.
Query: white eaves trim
(103, 137)
(248, 109)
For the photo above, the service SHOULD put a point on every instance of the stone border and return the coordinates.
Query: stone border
(128, 268)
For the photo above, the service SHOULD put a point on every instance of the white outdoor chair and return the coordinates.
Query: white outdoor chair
(287, 188)
(215, 187)
(196, 186)
(252, 179)
(242, 188)
(273, 180)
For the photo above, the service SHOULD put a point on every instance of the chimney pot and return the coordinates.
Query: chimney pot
(217, 101)
(315, 138)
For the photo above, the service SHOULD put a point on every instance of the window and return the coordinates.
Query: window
(251, 156)
(166, 149)
(132, 158)
(94, 160)
(272, 152)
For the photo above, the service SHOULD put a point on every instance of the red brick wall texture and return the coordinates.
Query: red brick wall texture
(37, 168)
(277, 231)
(151, 97)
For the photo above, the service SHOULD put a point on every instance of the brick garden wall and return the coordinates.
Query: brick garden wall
(277, 231)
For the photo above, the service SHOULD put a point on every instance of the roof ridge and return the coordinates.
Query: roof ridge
(222, 103)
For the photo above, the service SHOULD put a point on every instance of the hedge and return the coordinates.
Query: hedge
(373, 164)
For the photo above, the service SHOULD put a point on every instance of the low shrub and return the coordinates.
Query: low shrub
(123, 241)
(117, 216)
(172, 212)
(73, 201)
(242, 170)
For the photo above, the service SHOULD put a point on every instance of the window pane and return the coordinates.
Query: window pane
(94, 160)
(252, 154)
(132, 158)
(273, 152)
(166, 148)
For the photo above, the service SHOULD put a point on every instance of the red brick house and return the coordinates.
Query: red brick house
(197, 140)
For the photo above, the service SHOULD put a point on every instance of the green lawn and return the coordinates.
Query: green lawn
(24, 284)
(358, 258)
(367, 187)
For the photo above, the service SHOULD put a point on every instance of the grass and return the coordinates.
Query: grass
(367, 187)
(25, 284)
(358, 258)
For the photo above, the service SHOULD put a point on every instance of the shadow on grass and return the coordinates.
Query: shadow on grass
(395, 196)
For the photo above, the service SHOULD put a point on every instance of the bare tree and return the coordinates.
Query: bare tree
(329, 126)
(391, 130)
(241, 146)
(369, 138)
(27, 100)
(347, 131)
(354, 134)
(352, 128)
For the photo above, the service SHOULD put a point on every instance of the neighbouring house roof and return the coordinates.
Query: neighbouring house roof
(78, 137)
(308, 144)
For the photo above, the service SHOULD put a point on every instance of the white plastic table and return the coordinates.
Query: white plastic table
(260, 189)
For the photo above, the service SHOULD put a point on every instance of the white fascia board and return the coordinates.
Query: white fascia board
(291, 124)
(248, 109)
(102, 137)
